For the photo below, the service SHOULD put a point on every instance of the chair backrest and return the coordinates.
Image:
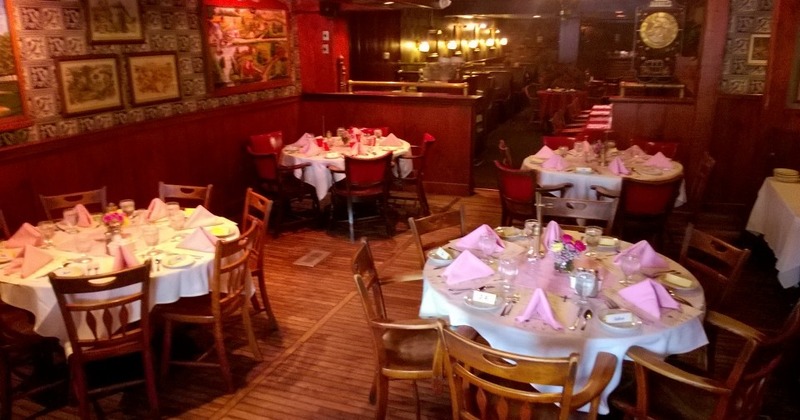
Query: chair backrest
(667, 148)
(368, 284)
(517, 189)
(573, 109)
(436, 230)
(417, 157)
(257, 209)
(99, 312)
(716, 263)
(271, 142)
(554, 142)
(231, 268)
(490, 383)
(267, 165)
(94, 200)
(530, 92)
(368, 173)
(4, 226)
(573, 208)
(649, 198)
(505, 152)
(558, 121)
(185, 194)
(697, 189)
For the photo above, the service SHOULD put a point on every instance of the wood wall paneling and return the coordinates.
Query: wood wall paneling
(372, 34)
(318, 70)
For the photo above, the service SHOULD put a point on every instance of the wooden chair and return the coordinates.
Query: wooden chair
(257, 209)
(225, 300)
(505, 152)
(667, 148)
(697, 189)
(488, 383)
(405, 349)
(112, 331)
(4, 226)
(366, 180)
(94, 200)
(716, 264)
(518, 193)
(579, 210)
(414, 179)
(664, 391)
(186, 194)
(554, 142)
(440, 227)
(533, 101)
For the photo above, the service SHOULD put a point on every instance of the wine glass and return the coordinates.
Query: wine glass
(591, 236)
(508, 270)
(533, 231)
(150, 236)
(83, 244)
(486, 245)
(128, 207)
(70, 220)
(630, 266)
(48, 229)
(585, 285)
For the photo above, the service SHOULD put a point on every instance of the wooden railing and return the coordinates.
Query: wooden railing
(408, 87)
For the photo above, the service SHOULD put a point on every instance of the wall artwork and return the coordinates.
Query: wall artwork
(153, 78)
(246, 45)
(88, 84)
(13, 105)
(758, 52)
(114, 21)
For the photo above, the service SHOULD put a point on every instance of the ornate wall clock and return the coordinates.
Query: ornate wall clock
(658, 40)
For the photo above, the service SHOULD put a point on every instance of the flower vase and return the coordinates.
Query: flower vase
(563, 266)
(114, 232)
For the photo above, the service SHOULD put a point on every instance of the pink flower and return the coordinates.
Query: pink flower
(580, 246)
(567, 238)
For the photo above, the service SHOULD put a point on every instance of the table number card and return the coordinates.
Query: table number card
(484, 297)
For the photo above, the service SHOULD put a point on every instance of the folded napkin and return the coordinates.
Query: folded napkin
(649, 296)
(28, 261)
(84, 217)
(540, 308)
(427, 138)
(659, 161)
(599, 113)
(472, 239)
(25, 235)
(634, 151)
(391, 140)
(601, 107)
(356, 148)
(617, 167)
(124, 255)
(157, 210)
(585, 146)
(303, 140)
(552, 233)
(544, 153)
(464, 268)
(200, 217)
(199, 240)
(354, 131)
(310, 148)
(555, 163)
(648, 257)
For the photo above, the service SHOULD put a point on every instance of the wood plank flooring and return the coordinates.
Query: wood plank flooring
(319, 363)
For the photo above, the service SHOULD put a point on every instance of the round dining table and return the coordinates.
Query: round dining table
(179, 272)
(583, 173)
(676, 331)
(318, 175)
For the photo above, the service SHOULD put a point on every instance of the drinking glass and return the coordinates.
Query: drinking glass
(562, 150)
(48, 229)
(591, 236)
(579, 147)
(508, 270)
(177, 220)
(150, 236)
(533, 231)
(70, 220)
(128, 207)
(486, 244)
(630, 266)
(585, 285)
(83, 244)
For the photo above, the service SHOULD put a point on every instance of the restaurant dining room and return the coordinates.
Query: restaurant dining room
(436, 209)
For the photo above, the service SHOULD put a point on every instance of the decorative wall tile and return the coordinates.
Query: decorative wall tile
(52, 18)
(185, 65)
(48, 131)
(43, 106)
(744, 5)
(34, 48)
(69, 127)
(198, 65)
(757, 87)
(763, 25)
(104, 121)
(765, 5)
(152, 20)
(747, 18)
(30, 18)
(60, 46)
(40, 77)
(73, 19)
(738, 46)
(745, 23)
(184, 43)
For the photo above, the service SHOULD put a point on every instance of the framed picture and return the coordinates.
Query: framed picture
(247, 45)
(758, 52)
(153, 78)
(13, 106)
(88, 84)
(114, 22)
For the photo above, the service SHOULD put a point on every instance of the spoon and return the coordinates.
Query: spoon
(586, 316)
(575, 324)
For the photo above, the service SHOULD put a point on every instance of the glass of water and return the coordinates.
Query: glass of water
(48, 229)
(630, 266)
(508, 270)
(150, 236)
(585, 285)
(592, 236)
(533, 231)
(486, 244)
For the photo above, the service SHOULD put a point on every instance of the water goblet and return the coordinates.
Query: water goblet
(630, 266)
(177, 220)
(48, 229)
(486, 244)
(150, 236)
(533, 231)
(127, 206)
(591, 236)
(70, 220)
(83, 244)
(508, 270)
(585, 285)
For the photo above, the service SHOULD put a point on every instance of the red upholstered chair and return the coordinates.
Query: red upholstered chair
(4, 227)
(414, 179)
(366, 180)
(279, 183)
(267, 142)
(518, 192)
(508, 161)
(560, 126)
(667, 148)
(554, 142)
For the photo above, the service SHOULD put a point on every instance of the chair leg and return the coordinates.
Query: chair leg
(262, 288)
(166, 348)
(350, 220)
(374, 388)
(150, 383)
(5, 387)
(248, 326)
(79, 387)
(383, 397)
(423, 199)
(219, 345)
(415, 388)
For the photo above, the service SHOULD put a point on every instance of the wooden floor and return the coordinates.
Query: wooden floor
(318, 364)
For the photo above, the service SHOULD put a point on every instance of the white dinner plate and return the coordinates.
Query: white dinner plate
(649, 170)
(220, 231)
(440, 262)
(333, 155)
(482, 306)
(508, 232)
(617, 327)
(68, 271)
(6, 255)
(669, 279)
(178, 261)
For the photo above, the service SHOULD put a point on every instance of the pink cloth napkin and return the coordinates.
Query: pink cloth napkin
(544, 153)
(25, 235)
(199, 240)
(649, 296)
(124, 255)
(659, 161)
(464, 268)
(552, 233)
(157, 210)
(391, 140)
(84, 217)
(617, 167)
(304, 140)
(356, 148)
(540, 308)
(310, 148)
(601, 107)
(648, 257)
(599, 113)
(354, 131)
(29, 261)
(473, 238)
(199, 218)
(555, 163)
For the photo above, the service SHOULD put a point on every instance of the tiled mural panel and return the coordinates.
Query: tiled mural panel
(748, 17)
(48, 29)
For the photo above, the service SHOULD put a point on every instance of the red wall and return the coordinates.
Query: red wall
(318, 70)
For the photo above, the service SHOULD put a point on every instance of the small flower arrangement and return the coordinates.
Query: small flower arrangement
(114, 218)
(566, 250)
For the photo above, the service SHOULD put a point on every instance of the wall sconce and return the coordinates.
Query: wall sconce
(424, 46)
(473, 44)
(452, 44)
(503, 41)
(490, 42)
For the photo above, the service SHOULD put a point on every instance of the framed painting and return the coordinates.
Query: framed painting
(88, 84)
(13, 106)
(247, 45)
(114, 22)
(758, 50)
(153, 78)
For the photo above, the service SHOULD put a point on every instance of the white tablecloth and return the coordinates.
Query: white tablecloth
(35, 294)
(318, 174)
(676, 331)
(776, 215)
(601, 175)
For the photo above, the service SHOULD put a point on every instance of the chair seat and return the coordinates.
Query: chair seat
(16, 323)
(291, 187)
(410, 349)
(339, 188)
(197, 308)
(694, 404)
